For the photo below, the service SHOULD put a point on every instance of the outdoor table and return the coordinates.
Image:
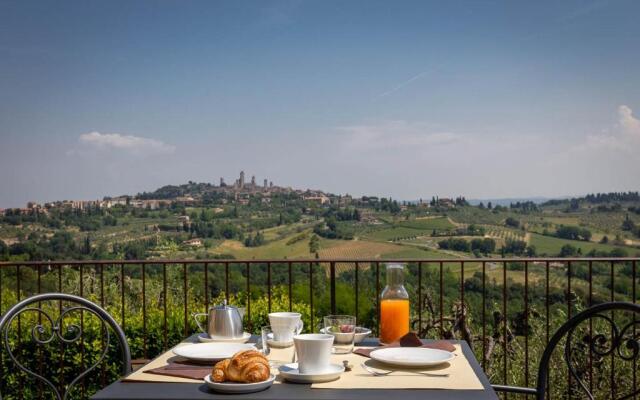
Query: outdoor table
(120, 390)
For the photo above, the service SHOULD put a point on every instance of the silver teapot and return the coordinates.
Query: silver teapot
(224, 321)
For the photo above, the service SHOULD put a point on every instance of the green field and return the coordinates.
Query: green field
(551, 245)
(427, 224)
(408, 229)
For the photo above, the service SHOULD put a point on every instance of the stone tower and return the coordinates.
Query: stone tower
(241, 181)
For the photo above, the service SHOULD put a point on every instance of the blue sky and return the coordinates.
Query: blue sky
(403, 99)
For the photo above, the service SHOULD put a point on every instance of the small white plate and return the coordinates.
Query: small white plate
(291, 373)
(412, 356)
(204, 338)
(209, 352)
(235, 387)
(360, 335)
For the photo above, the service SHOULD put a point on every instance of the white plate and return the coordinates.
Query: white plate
(208, 352)
(235, 387)
(204, 338)
(291, 373)
(412, 356)
(361, 334)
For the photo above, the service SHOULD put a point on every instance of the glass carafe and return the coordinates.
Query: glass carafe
(394, 306)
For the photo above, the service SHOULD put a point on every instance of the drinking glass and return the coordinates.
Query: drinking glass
(343, 329)
(265, 346)
(266, 335)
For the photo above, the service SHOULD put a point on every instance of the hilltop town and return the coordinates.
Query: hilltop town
(193, 194)
(188, 194)
(245, 219)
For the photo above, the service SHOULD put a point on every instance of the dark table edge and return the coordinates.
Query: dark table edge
(118, 390)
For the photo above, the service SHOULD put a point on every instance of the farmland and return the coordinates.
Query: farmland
(409, 229)
(289, 228)
(549, 245)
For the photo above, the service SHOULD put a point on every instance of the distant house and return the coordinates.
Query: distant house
(345, 200)
(321, 198)
(183, 219)
(185, 200)
(444, 202)
(193, 242)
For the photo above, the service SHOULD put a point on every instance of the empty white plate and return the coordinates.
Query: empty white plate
(235, 387)
(291, 373)
(208, 352)
(412, 356)
(204, 338)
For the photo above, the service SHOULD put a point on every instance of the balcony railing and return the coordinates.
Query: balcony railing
(507, 308)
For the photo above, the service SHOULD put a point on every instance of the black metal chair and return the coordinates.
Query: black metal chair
(621, 342)
(64, 333)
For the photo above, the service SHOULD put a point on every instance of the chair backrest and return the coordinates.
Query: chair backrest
(48, 330)
(620, 341)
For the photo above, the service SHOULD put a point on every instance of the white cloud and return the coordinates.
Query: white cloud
(129, 143)
(396, 134)
(625, 136)
(629, 124)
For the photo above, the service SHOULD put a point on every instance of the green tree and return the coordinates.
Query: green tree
(314, 244)
(568, 251)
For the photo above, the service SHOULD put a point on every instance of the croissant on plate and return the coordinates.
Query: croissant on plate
(245, 366)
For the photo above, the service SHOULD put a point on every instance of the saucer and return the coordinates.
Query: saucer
(291, 373)
(279, 345)
(234, 387)
(204, 338)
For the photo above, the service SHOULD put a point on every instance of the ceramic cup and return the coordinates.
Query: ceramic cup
(313, 351)
(285, 325)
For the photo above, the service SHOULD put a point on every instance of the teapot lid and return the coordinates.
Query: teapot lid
(223, 306)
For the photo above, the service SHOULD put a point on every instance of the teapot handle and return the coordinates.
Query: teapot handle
(196, 316)
(299, 327)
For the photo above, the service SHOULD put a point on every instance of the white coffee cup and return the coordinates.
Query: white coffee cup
(285, 325)
(313, 351)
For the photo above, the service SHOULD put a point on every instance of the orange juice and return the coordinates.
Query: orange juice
(394, 319)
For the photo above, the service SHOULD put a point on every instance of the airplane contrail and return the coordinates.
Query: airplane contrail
(403, 84)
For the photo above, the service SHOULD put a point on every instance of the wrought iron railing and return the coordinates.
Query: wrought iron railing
(495, 299)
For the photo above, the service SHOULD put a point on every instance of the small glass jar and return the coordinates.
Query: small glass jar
(394, 306)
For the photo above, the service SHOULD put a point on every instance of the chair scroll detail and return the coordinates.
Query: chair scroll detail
(48, 329)
(622, 342)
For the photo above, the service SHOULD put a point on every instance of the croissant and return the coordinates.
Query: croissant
(218, 374)
(246, 366)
